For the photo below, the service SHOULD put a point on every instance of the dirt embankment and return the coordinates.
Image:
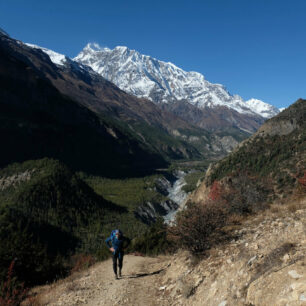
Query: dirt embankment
(263, 264)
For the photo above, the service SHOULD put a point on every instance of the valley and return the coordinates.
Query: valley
(209, 187)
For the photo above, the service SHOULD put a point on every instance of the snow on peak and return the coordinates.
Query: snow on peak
(264, 109)
(95, 47)
(164, 82)
(56, 58)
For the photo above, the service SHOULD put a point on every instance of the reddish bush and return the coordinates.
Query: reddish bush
(302, 180)
(215, 191)
(301, 188)
(12, 293)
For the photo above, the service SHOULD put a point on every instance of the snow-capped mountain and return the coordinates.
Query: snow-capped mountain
(264, 109)
(56, 58)
(187, 95)
(162, 82)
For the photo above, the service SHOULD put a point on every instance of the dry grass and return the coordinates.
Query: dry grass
(274, 258)
(281, 208)
(44, 295)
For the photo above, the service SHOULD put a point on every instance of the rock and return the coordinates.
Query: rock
(198, 281)
(286, 258)
(162, 288)
(298, 290)
(250, 262)
(294, 274)
(303, 297)
(223, 303)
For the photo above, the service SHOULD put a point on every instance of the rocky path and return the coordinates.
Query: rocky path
(97, 286)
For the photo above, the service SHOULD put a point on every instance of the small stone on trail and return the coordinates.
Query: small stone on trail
(286, 258)
(303, 297)
(250, 262)
(294, 274)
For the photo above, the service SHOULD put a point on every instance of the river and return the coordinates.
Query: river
(176, 194)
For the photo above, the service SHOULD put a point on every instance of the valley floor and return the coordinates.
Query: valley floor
(262, 264)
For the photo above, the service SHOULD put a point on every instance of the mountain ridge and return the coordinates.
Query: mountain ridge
(116, 65)
(93, 91)
(189, 89)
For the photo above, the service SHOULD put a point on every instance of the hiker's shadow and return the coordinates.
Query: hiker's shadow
(138, 275)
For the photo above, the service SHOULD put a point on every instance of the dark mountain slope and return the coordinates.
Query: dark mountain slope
(46, 212)
(37, 121)
(215, 119)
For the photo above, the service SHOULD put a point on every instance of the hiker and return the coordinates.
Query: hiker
(118, 244)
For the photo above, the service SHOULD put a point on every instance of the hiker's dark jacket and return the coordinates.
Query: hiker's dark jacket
(118, 244)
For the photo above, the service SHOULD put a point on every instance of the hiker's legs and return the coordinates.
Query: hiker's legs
(120, 262)
(120, 259)
(115, 263)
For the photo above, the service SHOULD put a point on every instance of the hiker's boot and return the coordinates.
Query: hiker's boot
(119, 272)
(116, 276)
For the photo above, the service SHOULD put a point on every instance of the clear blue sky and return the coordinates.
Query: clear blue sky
(256, 48)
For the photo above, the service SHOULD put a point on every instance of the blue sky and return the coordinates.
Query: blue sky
(256, 48)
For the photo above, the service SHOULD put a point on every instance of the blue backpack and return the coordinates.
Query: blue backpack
(113, 233)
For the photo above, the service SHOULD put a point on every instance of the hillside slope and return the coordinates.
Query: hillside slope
(140, 120)
(46, 213)
(262, 264)
(38, 121)
(267, 166)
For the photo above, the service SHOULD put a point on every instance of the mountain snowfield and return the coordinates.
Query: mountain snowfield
(162, 82)
(56, 58)
(158, 81)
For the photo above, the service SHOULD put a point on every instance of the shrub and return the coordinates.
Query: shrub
(12, 293)
(302, 184)
(196, 226)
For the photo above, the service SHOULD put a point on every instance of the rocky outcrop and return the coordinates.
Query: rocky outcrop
(225, 143)
(13, 180)
(280, 128)
(149, 211)
(173, 198)
(263, 264)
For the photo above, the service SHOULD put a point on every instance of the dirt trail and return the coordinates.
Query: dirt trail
(97, 286)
